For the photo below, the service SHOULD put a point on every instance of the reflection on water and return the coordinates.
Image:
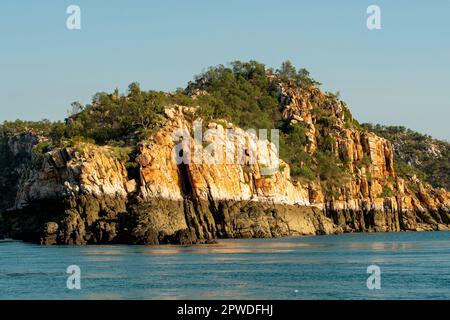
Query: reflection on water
(106, 251)
(216, 251)
(240, 246)
(384, 246)
(103, 259)
(414, 266)
(28, 274)
(225, 259)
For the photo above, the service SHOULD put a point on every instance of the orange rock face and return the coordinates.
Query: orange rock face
(214, 178)
(65, 172)
(374, 190)
(374, 185)
(228, 184)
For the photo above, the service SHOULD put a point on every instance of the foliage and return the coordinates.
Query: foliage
(330, 170)
(240, 93)
(119, 117)
(38, 152)
(292, 150)
(364, 162)
(405, 170)
(121, 153)
(326, 143)
(301, 78)
(387, 192)
(417, 154)
(42, 127)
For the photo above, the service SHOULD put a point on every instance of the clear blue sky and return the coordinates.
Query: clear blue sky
(397, 75)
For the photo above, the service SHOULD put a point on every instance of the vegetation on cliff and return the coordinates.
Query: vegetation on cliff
(416, 153)
(247, 94)
(102, 175)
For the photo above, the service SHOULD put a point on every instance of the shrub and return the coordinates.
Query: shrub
(387, 192)
(121, 153)
(412, 156)
(364, 162)
(331, 172)
(240, 93)
(304, 172)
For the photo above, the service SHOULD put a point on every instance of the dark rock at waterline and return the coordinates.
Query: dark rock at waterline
(94, 198)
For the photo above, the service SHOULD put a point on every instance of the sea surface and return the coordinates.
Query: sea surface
(412, 266)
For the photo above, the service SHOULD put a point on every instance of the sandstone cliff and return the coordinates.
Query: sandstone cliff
(83, 195)
(373, 197)
(88, 194)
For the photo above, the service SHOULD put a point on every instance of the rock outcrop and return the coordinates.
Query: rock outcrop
(230, 185)
(373, 198)
(16, 156)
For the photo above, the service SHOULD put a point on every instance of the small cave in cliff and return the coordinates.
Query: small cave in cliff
(184, 181)
(133, 173)
(133, 169)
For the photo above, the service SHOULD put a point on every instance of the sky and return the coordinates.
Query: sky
(398, 75)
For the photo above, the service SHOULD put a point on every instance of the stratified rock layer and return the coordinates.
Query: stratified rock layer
(374, 199)
(84, 194)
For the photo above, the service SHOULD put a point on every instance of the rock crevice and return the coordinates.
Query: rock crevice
(84, 195)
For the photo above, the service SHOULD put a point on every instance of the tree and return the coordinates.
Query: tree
(146, 110)
(134, 89)
(302, 77)
(287, 71)
(304, 80)
(77, 107)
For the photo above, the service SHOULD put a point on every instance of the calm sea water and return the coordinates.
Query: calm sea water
(413, 266)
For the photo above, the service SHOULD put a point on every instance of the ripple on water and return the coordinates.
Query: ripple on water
(413, 265)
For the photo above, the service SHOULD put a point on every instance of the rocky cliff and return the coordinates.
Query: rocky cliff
(373, 197)
(84, 195)
(230, 184)
(16, 155)
(417, 153)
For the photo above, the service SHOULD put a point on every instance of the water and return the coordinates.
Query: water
(413, 266)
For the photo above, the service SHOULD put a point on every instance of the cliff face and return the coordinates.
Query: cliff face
(86, 194)
(225, 199)
(15, 157)
(373, 197)
(428, 157)
(83, 195)
(74, 197)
